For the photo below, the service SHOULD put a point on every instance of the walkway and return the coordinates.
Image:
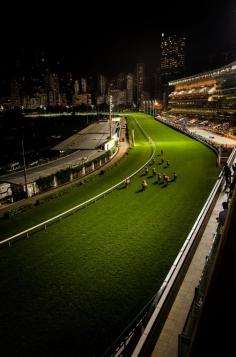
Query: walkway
(167, 343)
(215, 138)
(215, 335)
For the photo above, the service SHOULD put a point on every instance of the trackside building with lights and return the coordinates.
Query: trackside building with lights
(207, 95)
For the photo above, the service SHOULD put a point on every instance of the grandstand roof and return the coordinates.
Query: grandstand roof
(215, 73)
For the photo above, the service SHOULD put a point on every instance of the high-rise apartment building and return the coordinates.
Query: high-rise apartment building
(83, 85)
(139, 84)
(172, 56)
(130, 88)
(76, 87)
(172, 61)
(102, 83)
(121, 81)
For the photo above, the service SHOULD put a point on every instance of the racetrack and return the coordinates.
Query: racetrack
(70, 290)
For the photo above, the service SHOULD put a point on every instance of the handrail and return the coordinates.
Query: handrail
(84, 204)
(177, 265)
(119, 345)
(189, 133)
(186, 337)
(158, 300)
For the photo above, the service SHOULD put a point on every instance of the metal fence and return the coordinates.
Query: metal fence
(133, 339)
(185, 338)
(178, 127)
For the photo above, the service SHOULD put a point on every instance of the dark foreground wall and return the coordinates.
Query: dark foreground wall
(215, 335)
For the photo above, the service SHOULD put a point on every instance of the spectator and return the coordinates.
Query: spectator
(227, 174)
(232, 185)
(234, 168)
(222, 215)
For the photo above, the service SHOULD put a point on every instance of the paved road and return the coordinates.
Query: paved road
(51, 167)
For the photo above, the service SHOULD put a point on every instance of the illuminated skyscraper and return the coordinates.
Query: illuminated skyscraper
(76, 87)
(140, 84)
(102, 83)
(130, 88)
(172, 63)
(172, 55)
(83, 85)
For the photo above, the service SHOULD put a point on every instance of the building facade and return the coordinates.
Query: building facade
(211, 94)
(172, 61)
(139, 84)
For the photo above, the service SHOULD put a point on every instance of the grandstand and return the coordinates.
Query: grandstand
(209, 95)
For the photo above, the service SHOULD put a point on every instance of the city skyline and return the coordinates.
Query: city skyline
(100, 40)
(118, 123)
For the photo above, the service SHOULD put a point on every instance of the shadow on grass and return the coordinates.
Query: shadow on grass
(164, 185)
(122, 187)
(141, 190)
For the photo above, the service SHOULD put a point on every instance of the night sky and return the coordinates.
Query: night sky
(110, 38)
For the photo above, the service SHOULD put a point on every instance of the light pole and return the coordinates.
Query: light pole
(155, 106)
(110, 110)
(23, 153)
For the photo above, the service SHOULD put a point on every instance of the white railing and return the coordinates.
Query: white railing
(180, 259)
(187, 132)
(157, 302)
(83, 204)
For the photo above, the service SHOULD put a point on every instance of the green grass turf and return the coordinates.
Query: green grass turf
(78, 194)
(71, 290)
